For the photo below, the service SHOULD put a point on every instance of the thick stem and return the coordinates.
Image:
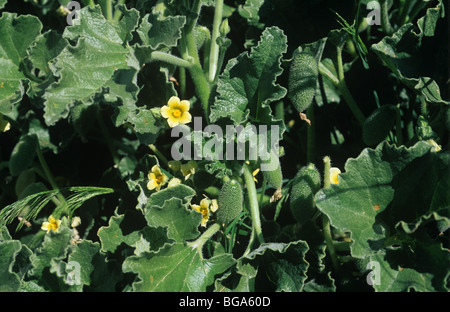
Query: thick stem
(118, 13)
(385, 17)
(169, 58)
(199, 242)
(109, 15)
(214, 50)
(253, 201)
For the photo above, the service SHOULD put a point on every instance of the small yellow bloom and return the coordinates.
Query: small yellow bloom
(176, 112)
(188, 168)
(206, 205)
(52, 224)
(156, 178)
(334, 172)
(254, 174)
(174, 182)
(4, 124)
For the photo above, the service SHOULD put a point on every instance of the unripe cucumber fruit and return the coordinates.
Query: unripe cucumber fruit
(230, 201)
(274, 177)
(306, 184)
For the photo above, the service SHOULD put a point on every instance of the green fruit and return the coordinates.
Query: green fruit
(230, 202)
(275, 177)
(306, 184)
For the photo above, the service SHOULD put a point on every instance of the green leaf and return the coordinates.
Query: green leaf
(18, 33)
(23, 154)
(377, 126)
(176, 268)
(3, 3)
(304, 74)
(116, 233)
(169, 208)
(54, 248)
(157, 32)
(247, 85)
(283, 264)
(9, 281)
(400, 53)
(86, 68)
(381, 188)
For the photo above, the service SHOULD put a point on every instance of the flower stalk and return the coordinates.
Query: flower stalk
(253, 200)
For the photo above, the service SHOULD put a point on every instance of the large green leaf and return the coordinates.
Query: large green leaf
(283, 264)
(247, 85)
(18, 33)
(380, 188)
(175, 268)
(84, 69)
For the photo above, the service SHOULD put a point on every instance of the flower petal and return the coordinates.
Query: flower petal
(184, 105)
(185, 118)
(165, 111)
(173, 101)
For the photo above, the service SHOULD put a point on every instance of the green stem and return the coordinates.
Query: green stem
(91, 3)
(158, 154)
(311, 135)
(182, 81)
(199, 242)
(214, 50)
(118, 13)
(253, 201)
(385, 17)
(398, 127)
(325, 220)
(345, 92)
(169, 58)
(49, 175)
(108, 12)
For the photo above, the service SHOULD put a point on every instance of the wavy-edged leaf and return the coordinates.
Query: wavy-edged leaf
(175, 268)
(84, 69)
(380, 188)
(18, 33)
(9, 280)
(247, 85)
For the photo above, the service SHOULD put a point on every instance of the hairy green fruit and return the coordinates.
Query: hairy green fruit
(230, 202)
(306, 184)
(274, 177)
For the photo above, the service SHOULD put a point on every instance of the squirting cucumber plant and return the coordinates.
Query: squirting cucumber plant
(224, 146)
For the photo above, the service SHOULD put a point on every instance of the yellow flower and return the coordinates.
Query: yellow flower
(188, 168)
(176, 112)
(204, 208)
(156, 178)
(4, 124)
(52, 224)
(76, 221)
(174, 182)
(334, 172)
(254, 174)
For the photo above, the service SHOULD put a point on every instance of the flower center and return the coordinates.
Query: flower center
(159, 178)
(176, 113)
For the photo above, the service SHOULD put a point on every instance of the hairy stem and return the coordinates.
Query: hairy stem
(214, 50)
(199, 242)
(253, 200)
(49, 175)
(169, 58)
